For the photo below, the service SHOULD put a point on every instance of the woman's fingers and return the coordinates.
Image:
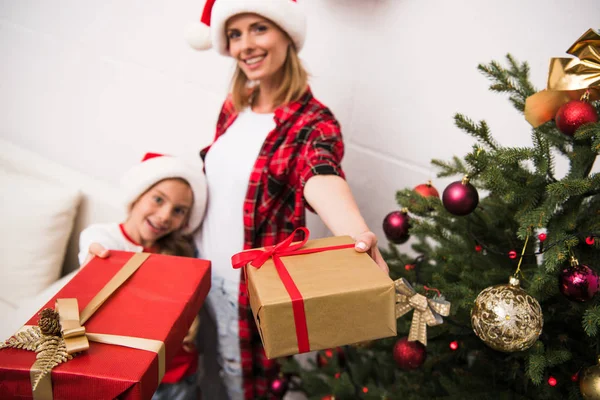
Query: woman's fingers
(366, 242)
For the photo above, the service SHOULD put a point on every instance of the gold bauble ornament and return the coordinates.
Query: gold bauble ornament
(589, 382)
(506, 318)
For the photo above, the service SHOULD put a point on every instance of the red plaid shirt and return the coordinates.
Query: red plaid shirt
(306, 141)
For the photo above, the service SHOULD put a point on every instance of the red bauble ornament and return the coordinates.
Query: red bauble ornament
(460, 197)
(409, 355)
(396, 225)
(454, 345)
(427, 190)
(552, 381)
(409, 267)
(589, 240)
(578, 282)
(542, 237)
(328, 397)
(512, 254)
(322, 360)
(572, 115)
(325, 356)
(279, 386)
(478, 248)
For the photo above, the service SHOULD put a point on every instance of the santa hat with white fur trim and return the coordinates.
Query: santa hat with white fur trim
(210, 31)
(157, 167)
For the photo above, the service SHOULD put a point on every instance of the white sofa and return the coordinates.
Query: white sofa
(44, 207)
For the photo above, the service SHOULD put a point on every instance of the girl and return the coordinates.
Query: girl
(277, 151)
(166, 200)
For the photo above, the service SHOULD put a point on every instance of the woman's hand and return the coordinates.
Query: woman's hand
(366, 242)
(96, 250)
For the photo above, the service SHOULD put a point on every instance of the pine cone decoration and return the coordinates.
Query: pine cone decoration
(49, 322)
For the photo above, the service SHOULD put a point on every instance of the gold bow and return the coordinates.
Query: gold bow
(427, 311)
(568, 79)
(71, 329)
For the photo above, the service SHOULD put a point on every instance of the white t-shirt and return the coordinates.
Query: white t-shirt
(228, 165)
(111, 236)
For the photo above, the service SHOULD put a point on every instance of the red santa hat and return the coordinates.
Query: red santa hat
(210, 31)
(157, 167)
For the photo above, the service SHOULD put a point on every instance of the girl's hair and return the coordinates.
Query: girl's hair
(293, 84)
(175, 243)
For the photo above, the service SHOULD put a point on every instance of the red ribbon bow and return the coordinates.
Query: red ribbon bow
(258, 257)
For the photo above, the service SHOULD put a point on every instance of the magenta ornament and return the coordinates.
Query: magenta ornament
(578, 282)
(396, 225)
(460, 198)
(279, 386)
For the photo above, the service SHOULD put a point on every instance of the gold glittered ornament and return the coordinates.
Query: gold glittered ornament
(506, 318)
(589, 382)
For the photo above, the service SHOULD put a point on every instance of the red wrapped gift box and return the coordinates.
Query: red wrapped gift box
(159, 301)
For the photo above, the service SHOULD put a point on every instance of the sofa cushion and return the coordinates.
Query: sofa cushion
(37, 217)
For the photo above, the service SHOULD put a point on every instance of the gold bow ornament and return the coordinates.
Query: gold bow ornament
(568, 79)
(427, 311)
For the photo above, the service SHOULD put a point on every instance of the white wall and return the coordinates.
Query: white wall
(95, 84)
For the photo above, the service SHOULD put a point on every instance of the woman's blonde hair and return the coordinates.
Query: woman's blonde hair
(294, 81)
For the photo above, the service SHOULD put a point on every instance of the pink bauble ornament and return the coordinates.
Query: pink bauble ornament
(279, 386)
(578, 282)
(396, 225)
(572, 115)
(460, 197)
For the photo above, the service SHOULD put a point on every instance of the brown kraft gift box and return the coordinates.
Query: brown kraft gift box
(347, 298)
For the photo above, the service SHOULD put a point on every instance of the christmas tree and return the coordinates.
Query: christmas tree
(508, 217)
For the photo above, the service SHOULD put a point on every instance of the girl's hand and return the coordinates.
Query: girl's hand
(96, 250)
(366, 242)
(189, 341)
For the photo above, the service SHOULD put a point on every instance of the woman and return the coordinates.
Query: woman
(277, 151)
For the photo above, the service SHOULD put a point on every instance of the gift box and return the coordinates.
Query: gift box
(317, 294)
(153, 307)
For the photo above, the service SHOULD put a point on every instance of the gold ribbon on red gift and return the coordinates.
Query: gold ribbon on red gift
(257, 257)
(77, 339)
(427, 311)
(568, 79)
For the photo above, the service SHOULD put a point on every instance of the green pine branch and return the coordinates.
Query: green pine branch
(591, 321)
(479, 130)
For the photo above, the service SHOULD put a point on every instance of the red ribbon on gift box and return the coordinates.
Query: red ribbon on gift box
(257, 257)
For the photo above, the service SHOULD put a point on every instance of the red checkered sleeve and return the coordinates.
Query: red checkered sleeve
(324, 154)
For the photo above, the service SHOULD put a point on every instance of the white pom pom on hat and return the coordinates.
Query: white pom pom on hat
(157, 167)
(198, 36)
(210, 31)
(198, 33)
